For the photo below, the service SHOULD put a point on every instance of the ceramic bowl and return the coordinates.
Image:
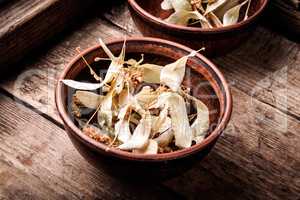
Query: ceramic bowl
(148, 16)
(202, 76)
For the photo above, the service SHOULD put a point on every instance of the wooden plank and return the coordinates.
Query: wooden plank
(38, 161)
(14, 184)
(284, 16)
(25, 24)
(35, 84)
(294, 3)
(267, 66)
(258, 154)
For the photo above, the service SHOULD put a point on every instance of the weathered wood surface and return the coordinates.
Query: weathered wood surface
(25, 24)
(38, 161)
(284, 16)
(258, 157)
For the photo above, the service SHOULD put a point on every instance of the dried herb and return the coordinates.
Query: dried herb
(206, 13)
(143, 108)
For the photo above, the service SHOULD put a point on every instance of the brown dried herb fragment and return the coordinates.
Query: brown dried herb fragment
(99, 137)
(76, 107)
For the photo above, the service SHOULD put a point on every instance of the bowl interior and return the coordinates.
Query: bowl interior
(203, 80)
(154, 7)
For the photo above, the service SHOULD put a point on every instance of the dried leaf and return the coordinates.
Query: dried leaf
(201, 123)
(139, 138)
(146, 96)
(162, 122)
(151, 73)
(177, 5)
(180, 123)
(151, 148)
(88, 99)
(232, 15)
(124, 97)
(122, 127)
(122, 130)
(105, 114)
(80, 85)
(120, 82)
(166, 5)
(182, 17)
(225, 7)
(213, 6)
(165, 138)
(172, 75)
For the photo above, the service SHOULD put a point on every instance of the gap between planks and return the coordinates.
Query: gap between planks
(277, 140)
(29, 153)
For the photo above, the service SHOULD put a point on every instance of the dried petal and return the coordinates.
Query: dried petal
(139, 138)
(146, 96)
(177, 5)
(120, 82)
(88, 99)
(180, 123)
(166, 5)
(105, 114)
(162, 122)
(122, 130)
(151, 73)
(232, 15)
(172, 75)
(201, 123)
(219, 12)
(213, 6)
(124, 97)
(165, 138)
(182, 17)
(151, 148)
(80, 85)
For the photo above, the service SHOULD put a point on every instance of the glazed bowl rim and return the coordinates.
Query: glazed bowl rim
(142, 12)
(71, 128)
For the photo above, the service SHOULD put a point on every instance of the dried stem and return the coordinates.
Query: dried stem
(91, 69)
(247, 11)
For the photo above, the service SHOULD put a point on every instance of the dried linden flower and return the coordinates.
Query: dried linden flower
(143, 108)
(206, 13)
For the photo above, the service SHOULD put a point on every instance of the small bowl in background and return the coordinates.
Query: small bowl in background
(205, 80)
(148, 16)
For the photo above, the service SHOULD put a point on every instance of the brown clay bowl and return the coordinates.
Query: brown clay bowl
(148, 16)
(206, 81)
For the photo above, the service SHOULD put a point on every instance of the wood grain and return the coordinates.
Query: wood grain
(25, 24)
(265, 67)
(285, 18)
(38, 161)
(258, 155)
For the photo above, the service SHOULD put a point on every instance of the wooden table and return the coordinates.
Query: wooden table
(258, 156)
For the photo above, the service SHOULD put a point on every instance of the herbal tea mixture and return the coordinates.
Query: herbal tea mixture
(141, 107)
(206, 13)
